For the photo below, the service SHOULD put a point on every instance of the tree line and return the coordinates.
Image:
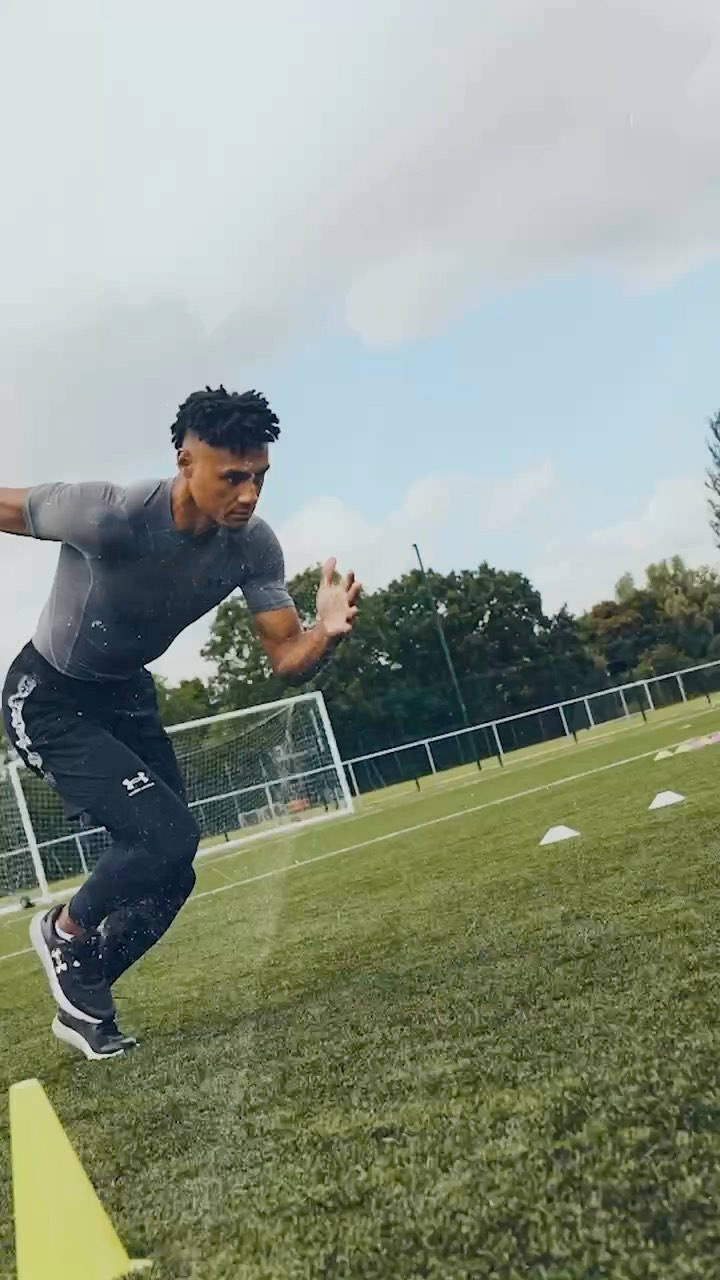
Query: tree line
(389, 681)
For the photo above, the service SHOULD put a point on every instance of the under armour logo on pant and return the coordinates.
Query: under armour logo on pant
(140, 782)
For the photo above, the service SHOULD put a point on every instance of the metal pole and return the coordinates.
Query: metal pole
(335, 754)
(681, 687)
(430, 757)
(590, 716)
(353, 779)
(443, 641)
(563, 717)
(81, 855)
(28, 829)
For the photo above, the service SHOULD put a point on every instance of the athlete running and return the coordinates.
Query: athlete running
(137, 565)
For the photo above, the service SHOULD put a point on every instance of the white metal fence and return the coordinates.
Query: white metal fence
(498, 737)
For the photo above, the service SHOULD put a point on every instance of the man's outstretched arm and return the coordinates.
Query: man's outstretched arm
(12, 512)
(89, 515)
(296, 654)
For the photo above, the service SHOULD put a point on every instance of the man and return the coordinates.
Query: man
(137, 565)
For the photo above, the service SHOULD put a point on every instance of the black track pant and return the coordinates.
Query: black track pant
(103, 748)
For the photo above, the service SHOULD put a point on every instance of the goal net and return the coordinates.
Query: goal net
(247, 773)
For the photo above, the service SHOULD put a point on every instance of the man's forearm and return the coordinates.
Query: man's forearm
(12, 511)
(306, 654)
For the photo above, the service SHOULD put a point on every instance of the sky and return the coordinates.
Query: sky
(470, 252)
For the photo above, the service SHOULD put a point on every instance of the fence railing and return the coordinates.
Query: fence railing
(499, 737)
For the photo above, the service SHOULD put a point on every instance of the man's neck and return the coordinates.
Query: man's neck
(185, 514)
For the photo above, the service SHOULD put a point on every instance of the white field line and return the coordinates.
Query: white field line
(405, 831)
(13, 954)
(429, 822)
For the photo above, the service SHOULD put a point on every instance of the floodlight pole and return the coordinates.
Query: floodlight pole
(443, 641)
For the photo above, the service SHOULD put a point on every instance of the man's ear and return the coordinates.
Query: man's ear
(185, 462)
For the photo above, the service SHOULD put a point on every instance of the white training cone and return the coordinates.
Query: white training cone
(556, 834)
(663, 755)
(665, 798)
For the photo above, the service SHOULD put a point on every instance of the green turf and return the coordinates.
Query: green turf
(447, 1053)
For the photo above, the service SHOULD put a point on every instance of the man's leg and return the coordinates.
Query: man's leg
(133, 929)
(154, 842)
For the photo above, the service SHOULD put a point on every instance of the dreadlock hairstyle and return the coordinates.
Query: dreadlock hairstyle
(226, 419)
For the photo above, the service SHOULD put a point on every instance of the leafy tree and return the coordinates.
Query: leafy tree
(676, 612)
(189, 700)
(713, 477)
(620, 633)
(243, 675)
(624, 588)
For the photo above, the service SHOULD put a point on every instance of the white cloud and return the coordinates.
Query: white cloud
(583, 569)
(434, 511)
(252, 161)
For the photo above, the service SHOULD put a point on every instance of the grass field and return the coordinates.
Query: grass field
(412, 1043)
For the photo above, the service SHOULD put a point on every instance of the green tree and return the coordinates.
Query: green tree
(619, 633)
(713, 476)
(243, 676)
(189, 700)
(673, 621)
(625, 588)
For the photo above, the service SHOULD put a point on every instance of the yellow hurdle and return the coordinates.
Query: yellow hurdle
(61, 1228)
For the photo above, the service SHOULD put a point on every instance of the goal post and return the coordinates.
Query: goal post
(248, 774)
(21, 868)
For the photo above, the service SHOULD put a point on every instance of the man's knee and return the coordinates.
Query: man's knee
(180, 838)
(181, 887)
(188, 840)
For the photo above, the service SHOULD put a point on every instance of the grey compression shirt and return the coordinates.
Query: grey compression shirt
(128, 581)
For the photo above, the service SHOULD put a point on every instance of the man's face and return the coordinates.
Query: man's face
(225, 486)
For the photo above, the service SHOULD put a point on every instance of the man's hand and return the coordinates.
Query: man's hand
(336, 601)
(298, 655)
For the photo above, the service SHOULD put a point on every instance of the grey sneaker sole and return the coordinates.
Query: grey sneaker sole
(41, 948)
(69, 1036)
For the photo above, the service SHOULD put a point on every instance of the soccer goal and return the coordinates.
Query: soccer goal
(248, 774)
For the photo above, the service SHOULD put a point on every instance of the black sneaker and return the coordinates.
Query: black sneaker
(74, 970)
(97, 1040)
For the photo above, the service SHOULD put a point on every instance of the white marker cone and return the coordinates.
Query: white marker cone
(665, 798)
(556, 834)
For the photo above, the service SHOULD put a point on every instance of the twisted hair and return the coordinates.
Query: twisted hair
(226, 419)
